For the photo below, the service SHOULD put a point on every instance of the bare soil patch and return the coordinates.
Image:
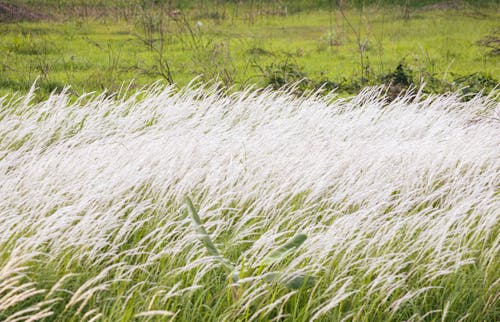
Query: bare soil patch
(492, 42)
(12, 13)
(445, 5)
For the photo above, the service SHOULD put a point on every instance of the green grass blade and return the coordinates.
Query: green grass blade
(285, 249)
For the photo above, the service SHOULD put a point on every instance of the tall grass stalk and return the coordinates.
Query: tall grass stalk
(400, 202)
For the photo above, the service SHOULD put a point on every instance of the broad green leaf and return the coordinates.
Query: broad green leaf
(235, 276)
(271, 277)
(297, 281)
(204, 237)
(285, 249)
(294, 281)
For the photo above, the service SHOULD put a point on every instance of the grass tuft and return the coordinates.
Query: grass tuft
(398, 199)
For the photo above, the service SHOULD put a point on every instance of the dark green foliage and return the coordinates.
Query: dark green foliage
(402, 76)
(476, 82)
(283, 73)
(397, 81)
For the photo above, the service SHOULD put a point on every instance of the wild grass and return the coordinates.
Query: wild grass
(242, 45)
(399, 202)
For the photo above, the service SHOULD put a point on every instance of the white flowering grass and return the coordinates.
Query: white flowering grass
(400, 202)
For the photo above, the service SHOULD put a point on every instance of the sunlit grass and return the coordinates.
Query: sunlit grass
(96, 54)
(399, 202)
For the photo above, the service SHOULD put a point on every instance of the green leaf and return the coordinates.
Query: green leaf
(285, 249)
(271, 277)
(299, 280)
(235, 276)
(294, 281)
(204, 237)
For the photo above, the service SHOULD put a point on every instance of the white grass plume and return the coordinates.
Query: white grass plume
(399, 199)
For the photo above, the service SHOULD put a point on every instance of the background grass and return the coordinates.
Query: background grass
(92, 46)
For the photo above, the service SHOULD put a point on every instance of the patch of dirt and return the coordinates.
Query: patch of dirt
(13, 13)
(445, 5)
(257, 51)
(492, 42)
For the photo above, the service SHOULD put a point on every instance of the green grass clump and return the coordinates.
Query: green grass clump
(141, 44)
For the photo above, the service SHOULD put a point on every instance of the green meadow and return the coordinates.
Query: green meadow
(94, 47)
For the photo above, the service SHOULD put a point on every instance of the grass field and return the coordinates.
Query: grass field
(253, 192)
(399, 203)
(96, 47)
